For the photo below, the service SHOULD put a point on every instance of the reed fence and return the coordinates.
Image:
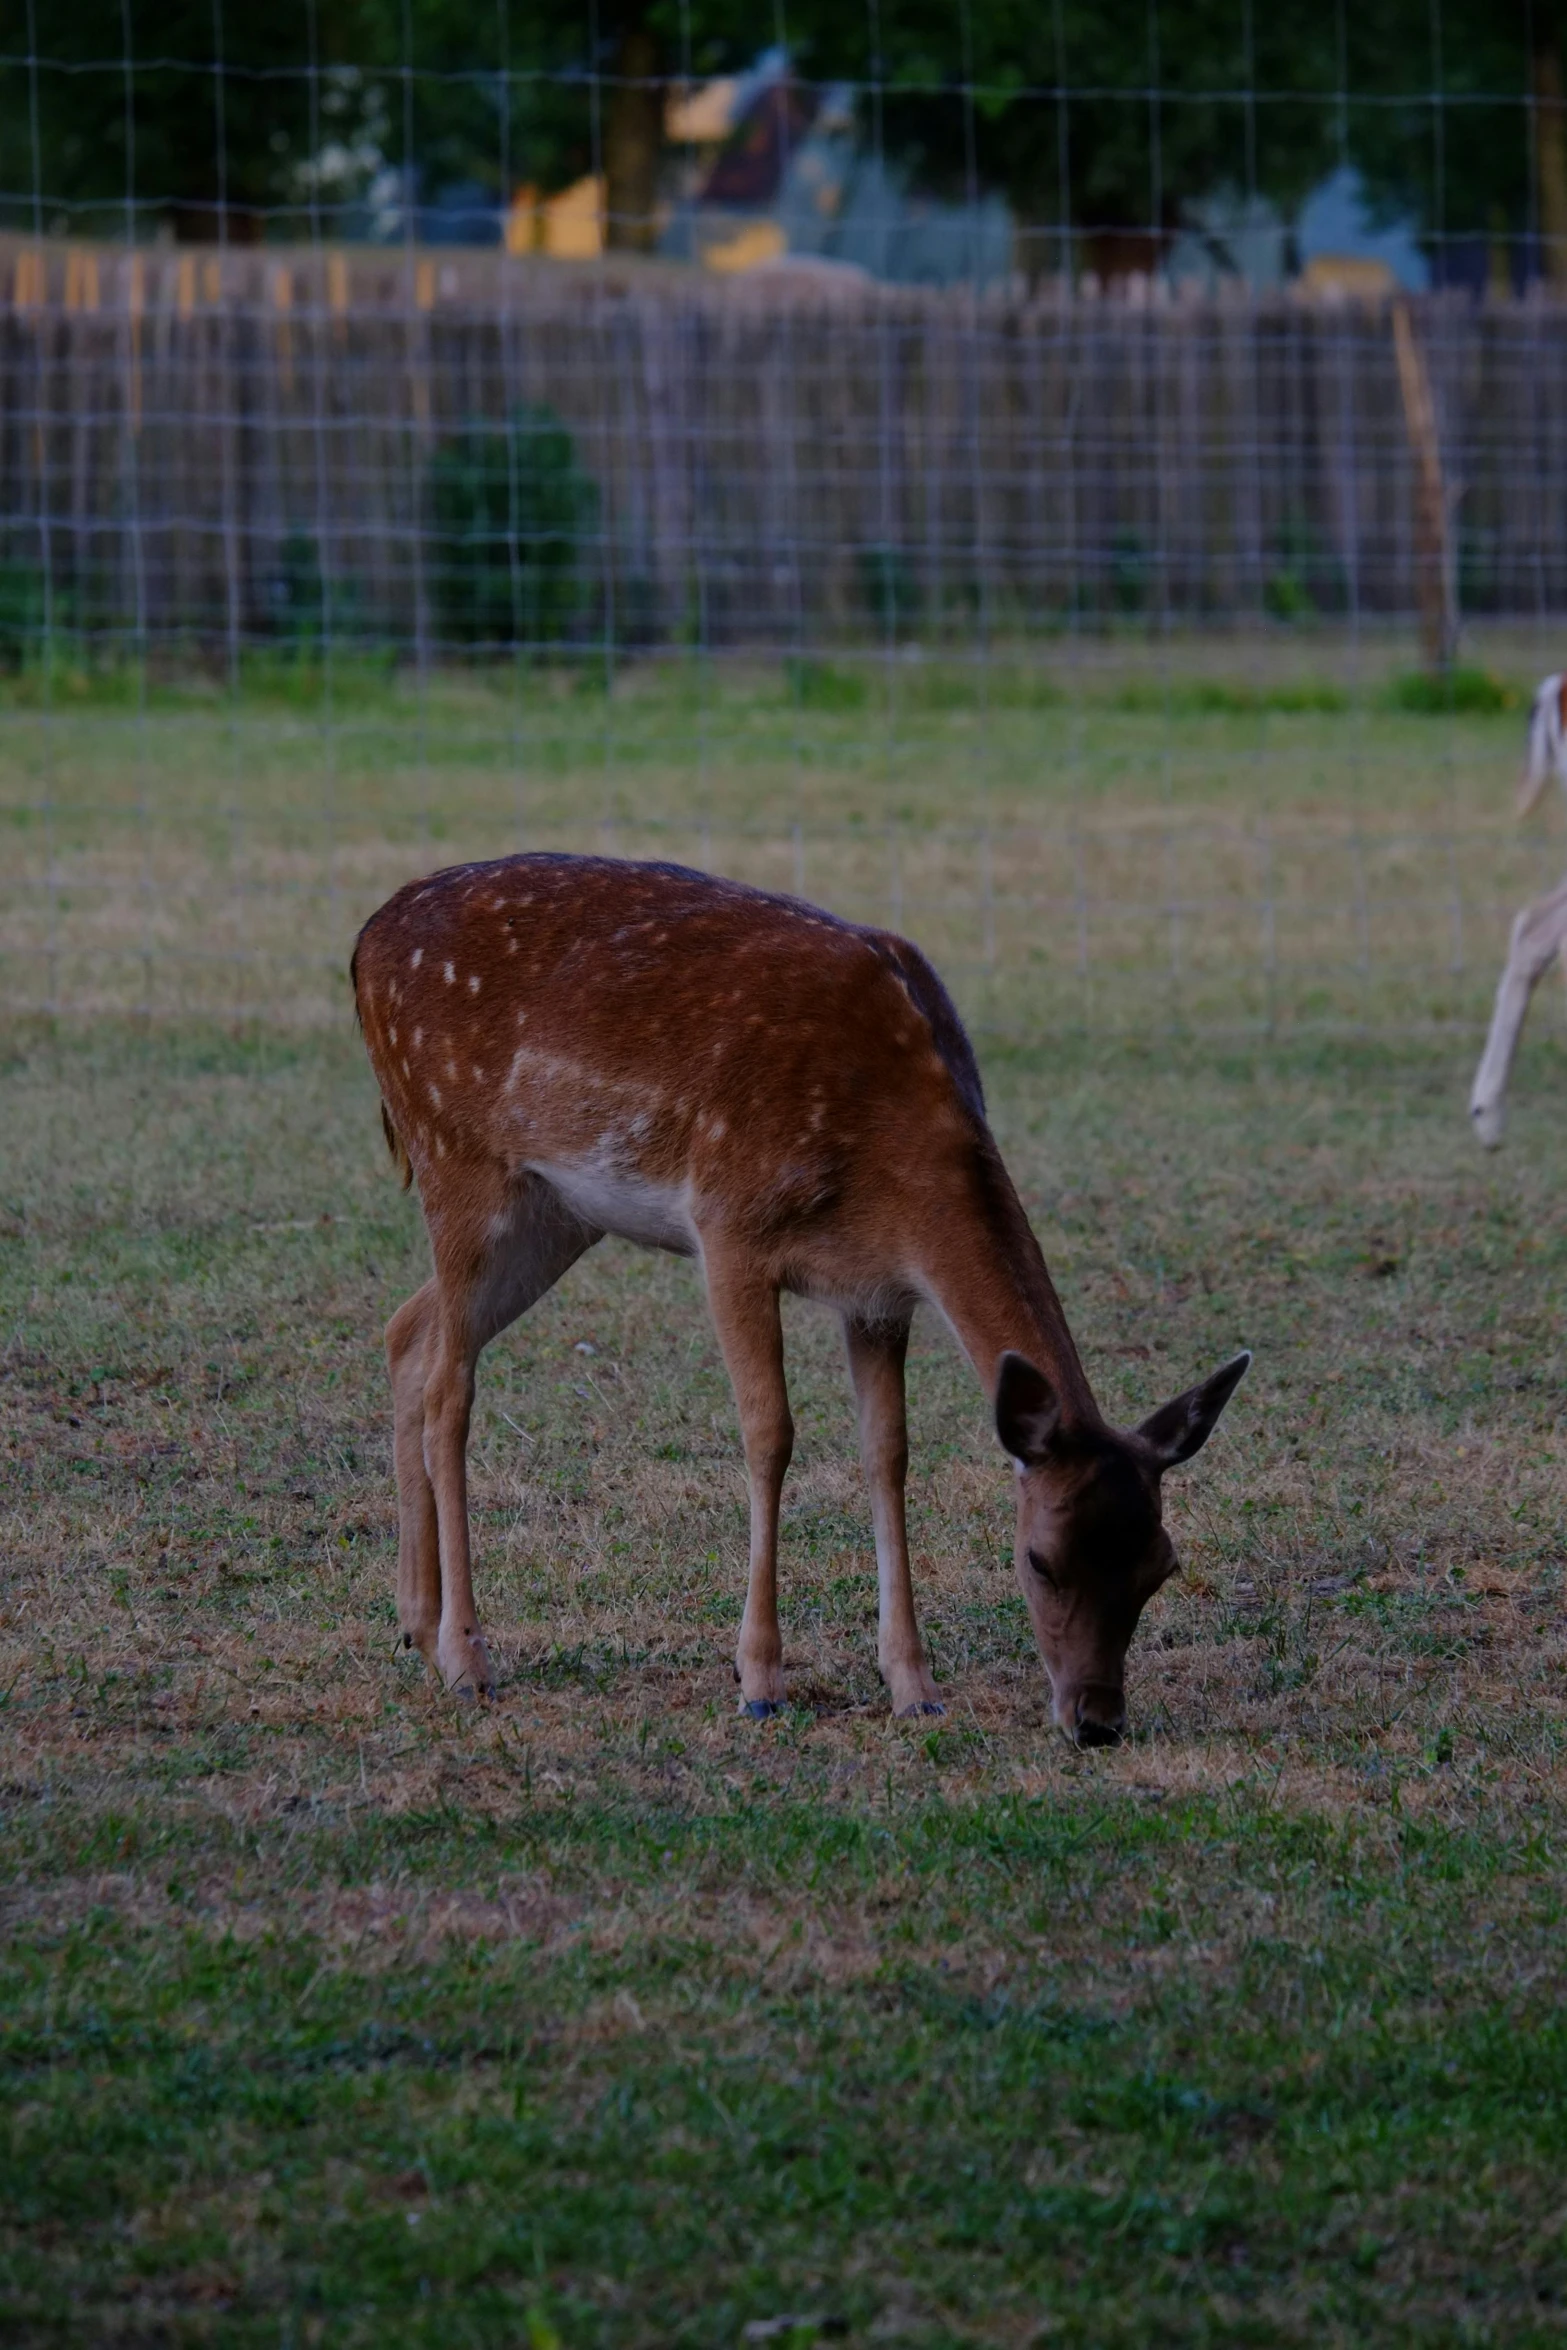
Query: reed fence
(795, 457)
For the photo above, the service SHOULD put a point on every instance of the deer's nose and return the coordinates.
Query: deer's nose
(1100, 1717)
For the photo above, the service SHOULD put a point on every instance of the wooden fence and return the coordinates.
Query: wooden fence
(782, 459)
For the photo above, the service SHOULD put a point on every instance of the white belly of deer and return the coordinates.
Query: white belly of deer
(617, 1199)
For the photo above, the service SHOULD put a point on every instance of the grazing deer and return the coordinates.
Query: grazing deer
(1539, 932)
(569, 1046)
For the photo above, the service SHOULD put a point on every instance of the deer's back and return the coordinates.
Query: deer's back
(663, 1029)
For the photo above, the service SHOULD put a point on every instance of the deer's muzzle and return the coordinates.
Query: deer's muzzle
(1099, 1717)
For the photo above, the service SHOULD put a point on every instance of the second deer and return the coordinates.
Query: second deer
(1539, 936)
(569, 1046)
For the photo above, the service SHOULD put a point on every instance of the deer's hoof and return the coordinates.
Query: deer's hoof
(760, 1709)
(926, 1705)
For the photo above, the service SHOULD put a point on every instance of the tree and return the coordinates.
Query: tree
(165, 114)
(1101, 121)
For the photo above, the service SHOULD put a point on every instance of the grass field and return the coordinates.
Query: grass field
(332, 2014)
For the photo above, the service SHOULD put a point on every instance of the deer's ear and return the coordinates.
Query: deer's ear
(1028, 1411)
(1177, 1430)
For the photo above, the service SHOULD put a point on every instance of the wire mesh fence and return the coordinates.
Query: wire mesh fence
(1070, 617)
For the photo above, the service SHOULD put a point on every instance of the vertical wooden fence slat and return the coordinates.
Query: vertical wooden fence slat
(752, 441)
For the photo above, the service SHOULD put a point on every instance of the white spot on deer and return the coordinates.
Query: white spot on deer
(451, 1071)
(717, 1128)
(478, 1074)
(406, 1071)
(449, 974)
(522, 1019)
(416, 958)
(817, 1115)
(473, 983)
(418, 1036)
(434, 1092)
(392, 1035)
(517, 1060)
(440, 1147)
(511, 946)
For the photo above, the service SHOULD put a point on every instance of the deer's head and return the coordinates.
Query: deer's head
(1091, 1545)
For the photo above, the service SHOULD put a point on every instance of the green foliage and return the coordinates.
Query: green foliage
(22, 612)
(889, 589)
(816, 685)
(1468, 693)
(1128, 574)
(1214, 697)
(311, 609)
(1307, 577)
(127, 97)
(499, 92)
(37, 622)
(511, 508)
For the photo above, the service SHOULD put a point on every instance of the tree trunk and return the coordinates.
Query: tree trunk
(1550, 148)
(634, 141)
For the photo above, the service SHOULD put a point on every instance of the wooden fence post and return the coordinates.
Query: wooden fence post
(1434, 581)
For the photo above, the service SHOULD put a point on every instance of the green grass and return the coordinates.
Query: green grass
(330, 2013)
(1234, 837)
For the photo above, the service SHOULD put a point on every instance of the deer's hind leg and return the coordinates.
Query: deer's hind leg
(745, 1313)
(489, 1270)
(418, 1542)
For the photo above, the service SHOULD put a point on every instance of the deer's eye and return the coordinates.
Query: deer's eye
(1042, 1571)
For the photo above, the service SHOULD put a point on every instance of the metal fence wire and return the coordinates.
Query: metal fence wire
(1144, 643)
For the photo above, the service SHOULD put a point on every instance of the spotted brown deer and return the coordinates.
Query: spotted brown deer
(568, 1046)
(1539, 936)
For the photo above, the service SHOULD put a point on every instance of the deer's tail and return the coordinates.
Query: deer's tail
(398, 1148)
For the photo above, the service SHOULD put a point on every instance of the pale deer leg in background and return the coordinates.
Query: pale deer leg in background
(750, 1331)
(876, 1358)
(418, 1540)
(531, 1240)
(1539, 936)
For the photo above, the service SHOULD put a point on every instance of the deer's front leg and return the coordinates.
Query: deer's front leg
(876, 1359)
(1539, 935)
(750, 1332)
(462, 1655)
(418, 1539)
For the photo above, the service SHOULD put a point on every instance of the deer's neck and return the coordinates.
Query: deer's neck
(984, 1269)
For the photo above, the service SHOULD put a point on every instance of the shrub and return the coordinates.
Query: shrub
(1467, 693)
(309, 609)
(1307, 577)
(1129, 572)
(511, 508)
(889, 589)
(24, 611)
(815, 685)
